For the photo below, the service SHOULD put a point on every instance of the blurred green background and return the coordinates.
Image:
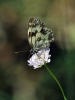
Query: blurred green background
(18, 81)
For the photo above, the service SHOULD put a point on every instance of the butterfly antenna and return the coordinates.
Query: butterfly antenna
(21, 51)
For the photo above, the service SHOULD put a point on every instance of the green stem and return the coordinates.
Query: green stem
(56, 81)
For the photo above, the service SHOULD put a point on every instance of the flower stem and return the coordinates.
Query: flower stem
(56, 81)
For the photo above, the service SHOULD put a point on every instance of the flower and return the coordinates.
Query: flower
(40, 58)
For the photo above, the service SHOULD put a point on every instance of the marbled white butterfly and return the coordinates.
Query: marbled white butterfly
(39, 36)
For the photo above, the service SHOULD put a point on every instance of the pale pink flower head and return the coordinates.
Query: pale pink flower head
(40, 58)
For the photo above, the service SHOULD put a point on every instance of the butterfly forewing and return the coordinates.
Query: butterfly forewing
(38, 35)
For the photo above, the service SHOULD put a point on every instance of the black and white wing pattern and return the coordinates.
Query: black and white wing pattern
(39, 36)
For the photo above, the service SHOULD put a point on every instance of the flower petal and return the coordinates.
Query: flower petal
(40, 58)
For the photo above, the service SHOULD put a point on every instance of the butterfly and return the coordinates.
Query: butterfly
(39, 36)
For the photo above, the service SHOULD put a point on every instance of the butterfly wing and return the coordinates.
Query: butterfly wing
(38, 35)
